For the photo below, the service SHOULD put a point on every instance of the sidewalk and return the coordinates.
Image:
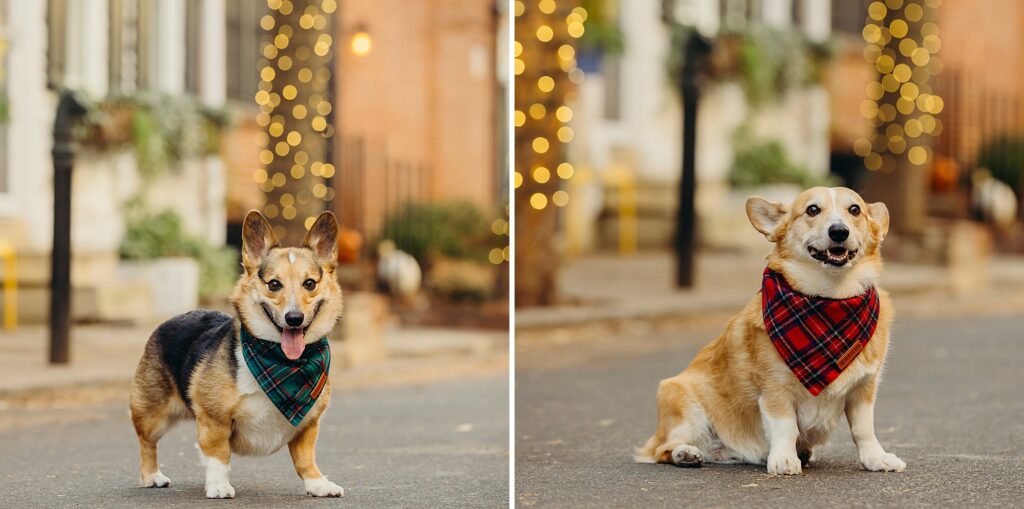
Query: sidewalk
(609, 288)
(104, 356)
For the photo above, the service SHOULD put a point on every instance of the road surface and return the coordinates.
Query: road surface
(442, 444)
(951, 405)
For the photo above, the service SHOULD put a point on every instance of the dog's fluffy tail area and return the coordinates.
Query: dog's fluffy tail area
(645, 454)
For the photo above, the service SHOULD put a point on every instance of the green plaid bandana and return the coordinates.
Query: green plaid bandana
(292, 385)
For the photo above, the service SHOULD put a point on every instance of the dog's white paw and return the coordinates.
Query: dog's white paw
(887, 462)
(321, 487)
(217, 483)
(687, 456)
(784, 464)
(155, 480)
(220, 490)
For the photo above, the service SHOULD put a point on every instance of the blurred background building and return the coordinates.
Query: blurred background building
(912, 102)
(389, 114)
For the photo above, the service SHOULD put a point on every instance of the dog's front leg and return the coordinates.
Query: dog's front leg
(778, 416)
(860, 412)
(303, 451)
(214, 437)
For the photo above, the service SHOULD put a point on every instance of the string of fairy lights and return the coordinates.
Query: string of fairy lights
(903, 44)
(499, 227)
(541, 117)
(294, 109)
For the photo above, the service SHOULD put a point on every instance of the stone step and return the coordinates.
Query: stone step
(113, 302)
(87, 269)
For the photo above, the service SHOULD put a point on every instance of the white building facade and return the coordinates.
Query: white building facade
(101, 48)
(629, 116)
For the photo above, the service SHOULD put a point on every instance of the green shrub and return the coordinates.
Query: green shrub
(455, 229)
(5, 107)
(462, 280)
(766, 162)
(601, 33)
(1004, 157)
(151, 235)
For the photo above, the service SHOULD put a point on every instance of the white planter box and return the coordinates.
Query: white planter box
(730, 229)
(173, 283)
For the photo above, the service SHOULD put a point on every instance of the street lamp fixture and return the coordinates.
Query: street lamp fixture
(362, 43)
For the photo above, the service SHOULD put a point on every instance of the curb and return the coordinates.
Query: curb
(911, 300)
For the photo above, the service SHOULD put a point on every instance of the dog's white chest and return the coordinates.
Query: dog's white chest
(824, 411)
(259, 427)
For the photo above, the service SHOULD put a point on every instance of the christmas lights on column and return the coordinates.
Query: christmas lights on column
(902, 44)
(545, 72)
(294, 98)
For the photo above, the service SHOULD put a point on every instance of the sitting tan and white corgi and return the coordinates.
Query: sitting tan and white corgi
(806, 349)
(255, 381)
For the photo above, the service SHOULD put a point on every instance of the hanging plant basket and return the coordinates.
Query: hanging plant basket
(767, 62)
(724, 60)
(108, 127)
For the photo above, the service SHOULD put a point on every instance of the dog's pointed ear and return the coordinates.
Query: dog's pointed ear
(322, 238)
(878, 214)
(257, 239)
(766, 216)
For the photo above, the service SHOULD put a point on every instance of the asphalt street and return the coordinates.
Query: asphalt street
(442, 444)
(951, 405)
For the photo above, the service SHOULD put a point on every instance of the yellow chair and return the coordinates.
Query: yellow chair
(10, 285)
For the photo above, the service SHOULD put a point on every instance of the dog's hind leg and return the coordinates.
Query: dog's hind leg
(681, 424)
(154, 408)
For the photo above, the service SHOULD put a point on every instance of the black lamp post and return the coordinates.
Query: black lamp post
(69, 110)
(697, 49)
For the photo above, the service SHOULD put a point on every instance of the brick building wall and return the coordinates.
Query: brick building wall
(422, 99)
(983, 68)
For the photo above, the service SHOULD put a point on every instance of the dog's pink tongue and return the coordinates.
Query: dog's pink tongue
(292, 343)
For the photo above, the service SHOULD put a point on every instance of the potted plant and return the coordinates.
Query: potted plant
(178, 268)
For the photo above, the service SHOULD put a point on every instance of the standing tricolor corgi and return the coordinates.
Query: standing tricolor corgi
(804, 351)
(255, 381)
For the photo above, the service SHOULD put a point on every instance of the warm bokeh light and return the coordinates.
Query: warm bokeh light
(361, 44)
(901, 103)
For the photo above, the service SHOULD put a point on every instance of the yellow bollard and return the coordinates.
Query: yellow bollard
(10, 286)
(627, 215)
(621, 178)
(574, 212)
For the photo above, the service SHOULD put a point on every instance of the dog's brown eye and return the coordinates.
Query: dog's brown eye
(855, 210)
(274, 285)
(813, 210)
(309, 284)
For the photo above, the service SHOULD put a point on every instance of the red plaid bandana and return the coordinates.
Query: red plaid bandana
(817, 337)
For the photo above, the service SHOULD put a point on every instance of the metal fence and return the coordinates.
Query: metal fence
(371, 186)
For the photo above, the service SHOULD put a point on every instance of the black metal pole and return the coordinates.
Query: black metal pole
(697, 47)
(69, 109)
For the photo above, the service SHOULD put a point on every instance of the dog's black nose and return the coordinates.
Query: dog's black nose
(293, 318)
(838, 232)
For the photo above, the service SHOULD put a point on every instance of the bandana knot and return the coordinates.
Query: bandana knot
(292, 385)
(816, 337)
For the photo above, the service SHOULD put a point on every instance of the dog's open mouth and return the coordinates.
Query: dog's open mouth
(293, 339)
(293, 342)
(836, 256)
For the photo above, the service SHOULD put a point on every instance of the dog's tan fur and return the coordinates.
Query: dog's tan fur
(232, 414)
(738, 401)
